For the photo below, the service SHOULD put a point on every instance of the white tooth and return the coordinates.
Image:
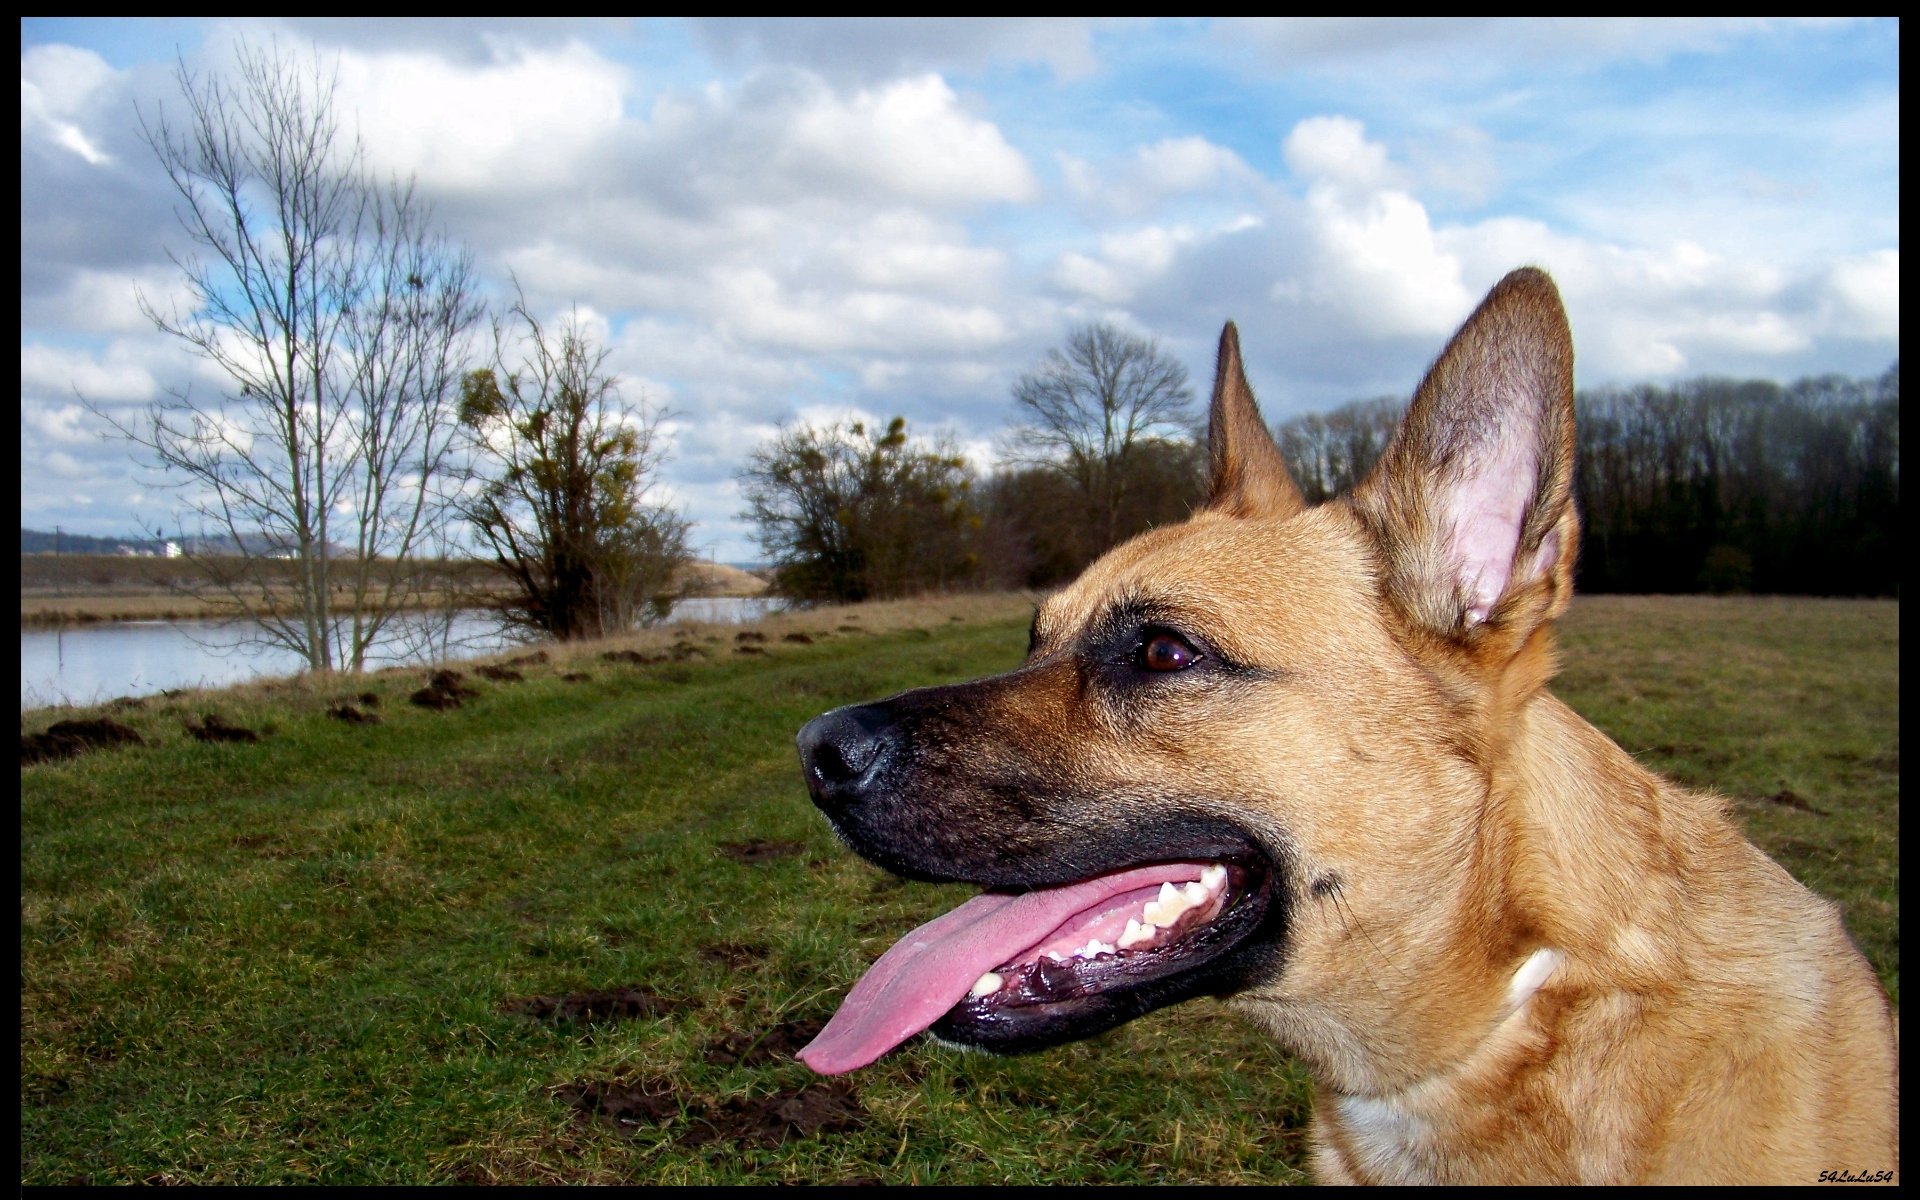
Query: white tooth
(1056, 956)
(1196, 895)
(986, 985)
(1167, 909)
(1137, 933)
(1213, 877)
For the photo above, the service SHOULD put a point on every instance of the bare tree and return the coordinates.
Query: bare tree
(339, 317)
(560, 471)
(1089, 406)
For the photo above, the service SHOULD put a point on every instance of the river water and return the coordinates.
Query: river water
(87, 664)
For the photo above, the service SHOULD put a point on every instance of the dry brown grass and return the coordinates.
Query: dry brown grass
(822, 622)
(74, 589)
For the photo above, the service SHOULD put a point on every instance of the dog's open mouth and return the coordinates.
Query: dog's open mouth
(1013, 972)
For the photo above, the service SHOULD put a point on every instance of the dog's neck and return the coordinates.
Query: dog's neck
(1394, 1134)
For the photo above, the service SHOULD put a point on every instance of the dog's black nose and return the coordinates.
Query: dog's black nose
(842, 752)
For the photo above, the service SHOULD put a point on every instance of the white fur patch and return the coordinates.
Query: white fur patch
(1529, 978)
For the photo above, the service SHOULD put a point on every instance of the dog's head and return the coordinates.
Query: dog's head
(1248, 754)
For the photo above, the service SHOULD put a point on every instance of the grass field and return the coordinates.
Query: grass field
(572, 930)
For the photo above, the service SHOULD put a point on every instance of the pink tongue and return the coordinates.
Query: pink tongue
(934, 967)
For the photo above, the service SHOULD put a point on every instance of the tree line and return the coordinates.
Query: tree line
(1709, 484)
(375, 416)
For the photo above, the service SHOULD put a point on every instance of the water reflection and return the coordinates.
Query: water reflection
(90, 663)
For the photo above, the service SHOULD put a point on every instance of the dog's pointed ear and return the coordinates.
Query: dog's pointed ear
(1473, 500)
(1249, 478)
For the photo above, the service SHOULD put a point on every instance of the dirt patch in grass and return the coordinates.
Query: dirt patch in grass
(735, 956)
(831, 1106)
(499, 674)
(828, 1107)
(444, 690)
(576, 677)
(759, 851)
(614, 1004)
(1786, 797)
(759, 1047)
(625, 1105)
(634, 657)
(341, 710)
(214, 728)
(69, 739)
(266, 845)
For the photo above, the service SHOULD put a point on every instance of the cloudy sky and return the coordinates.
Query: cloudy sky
(778, 221)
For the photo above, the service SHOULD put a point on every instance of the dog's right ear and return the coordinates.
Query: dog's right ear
(1249, 477)
(1472, 502)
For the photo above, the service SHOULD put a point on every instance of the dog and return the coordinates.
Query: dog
(1303, 757)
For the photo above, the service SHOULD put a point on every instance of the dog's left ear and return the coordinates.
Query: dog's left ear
(1249, 477)
(1473, 500)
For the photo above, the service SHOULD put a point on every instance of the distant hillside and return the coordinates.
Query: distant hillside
(35, 541)
(722, 579)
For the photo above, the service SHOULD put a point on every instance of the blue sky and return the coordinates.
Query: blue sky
(795, 221)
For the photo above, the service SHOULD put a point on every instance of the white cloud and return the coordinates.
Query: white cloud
(1862, 297)
(59, 424)
(886, 47)
(107, 301)
(1151, 177)
(49, 372)
(759, 307)
(1379, 260)
(529, 122)
(1398, 51)
(910, 138)
(61, 465)
(1132, 260)
(1374, 254)
(57, 86)
(1335, 150)
(1188, 163)
(905, 250)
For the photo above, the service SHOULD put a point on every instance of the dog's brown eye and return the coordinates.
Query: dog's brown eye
(1164, 651)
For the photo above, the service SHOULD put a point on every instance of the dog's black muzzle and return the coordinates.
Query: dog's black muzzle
(844, 752)
(899, 781)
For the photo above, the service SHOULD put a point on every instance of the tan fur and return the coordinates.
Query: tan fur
(1445, 817)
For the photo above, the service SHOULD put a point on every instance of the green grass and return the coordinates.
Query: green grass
(287, 962)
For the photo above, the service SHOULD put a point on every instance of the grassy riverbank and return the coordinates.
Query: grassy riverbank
(76, 589)
(572, 929)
